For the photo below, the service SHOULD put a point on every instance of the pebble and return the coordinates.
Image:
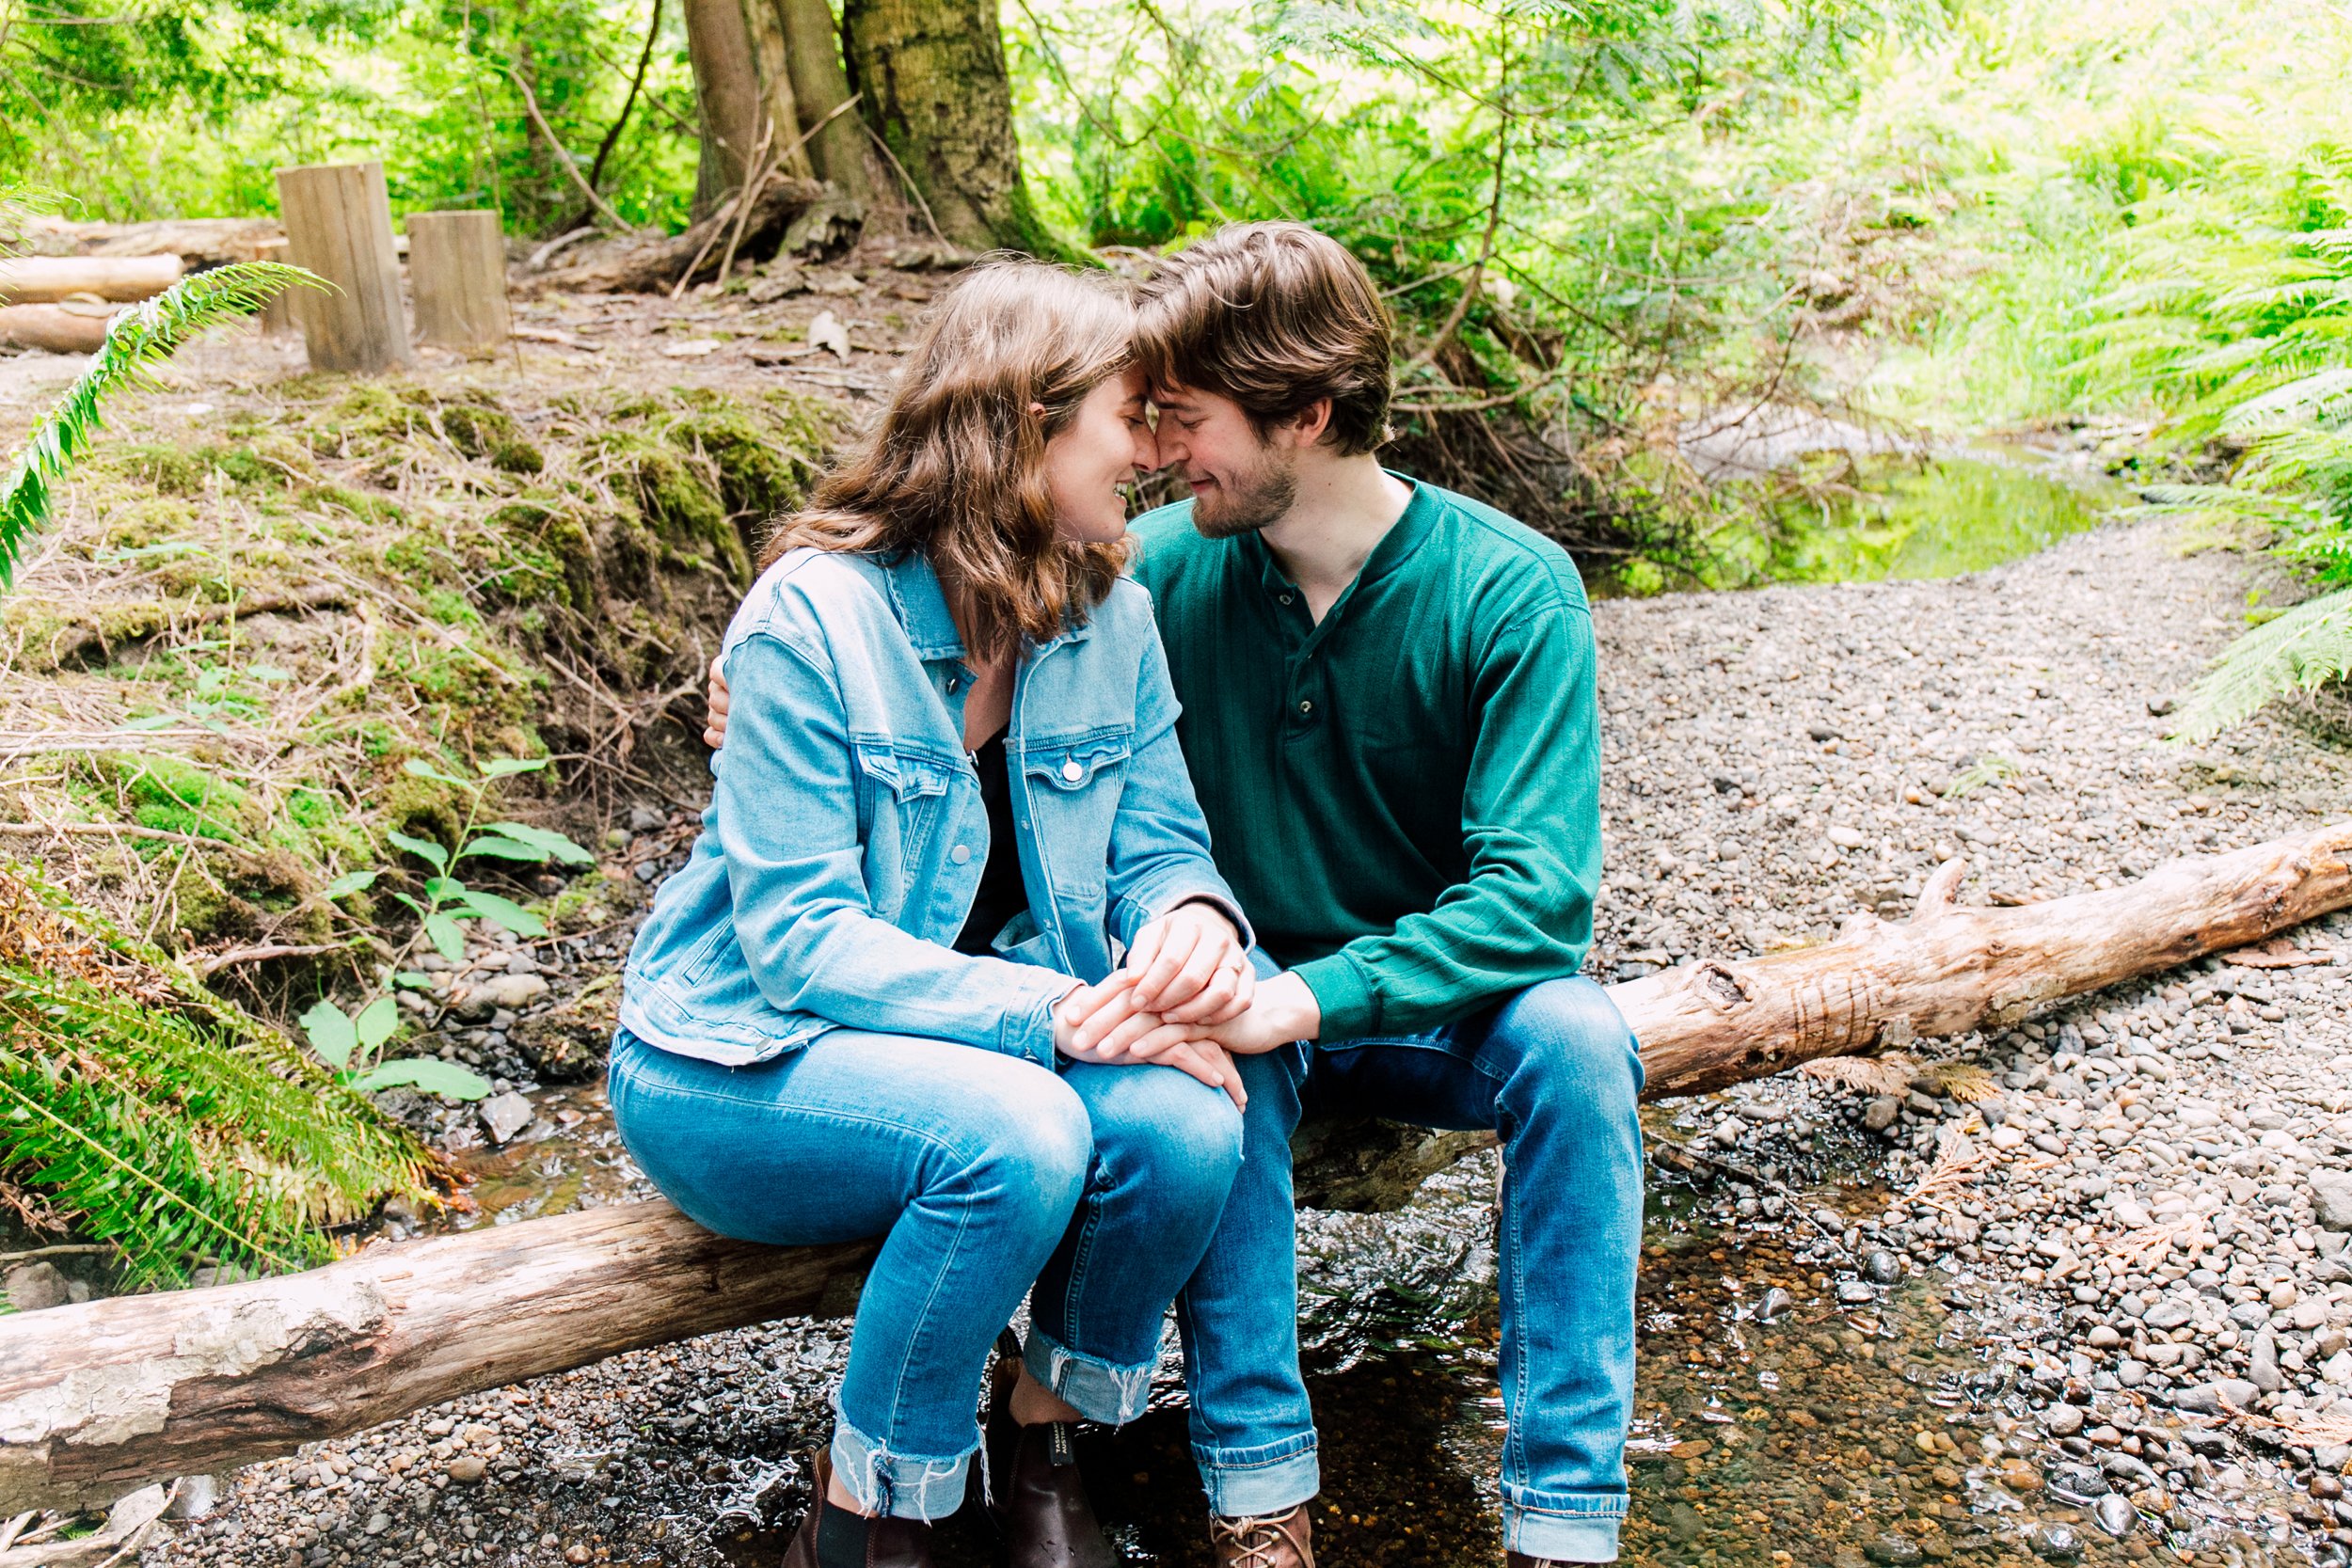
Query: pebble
(505, 1114)
(1883, 1267)
(2116, 1514)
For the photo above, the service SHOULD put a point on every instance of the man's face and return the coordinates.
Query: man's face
(1239, 482)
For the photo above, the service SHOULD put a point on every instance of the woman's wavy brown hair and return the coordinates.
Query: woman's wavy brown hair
(956, 468)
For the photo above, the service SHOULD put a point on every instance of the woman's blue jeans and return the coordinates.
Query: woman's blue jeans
(1100, 1186)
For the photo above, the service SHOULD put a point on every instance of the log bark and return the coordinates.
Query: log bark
(643, 263)
(339, 225)
(457, 276)
(97, 1399)
(44, 279)
(198, 242)
(55, 328)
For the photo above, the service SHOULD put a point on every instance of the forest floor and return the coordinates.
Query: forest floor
(1912, 1313)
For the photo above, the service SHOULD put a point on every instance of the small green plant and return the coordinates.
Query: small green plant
(352, 1042)
(1990, 769)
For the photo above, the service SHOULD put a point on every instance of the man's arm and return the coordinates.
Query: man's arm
(1530, 821)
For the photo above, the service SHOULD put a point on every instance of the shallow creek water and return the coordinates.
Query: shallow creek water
(1780, 1419)
(1964, 511)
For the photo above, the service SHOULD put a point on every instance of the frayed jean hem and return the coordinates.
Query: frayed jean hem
(903, 1486)
(1099, 1390)
(1578, 1537)
(1256, 1488)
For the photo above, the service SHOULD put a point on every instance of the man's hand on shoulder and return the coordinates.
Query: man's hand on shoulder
(715, 726)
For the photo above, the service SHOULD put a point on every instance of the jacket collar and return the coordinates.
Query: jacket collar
(921, 605)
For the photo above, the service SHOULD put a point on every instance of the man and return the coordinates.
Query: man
(1389, 716)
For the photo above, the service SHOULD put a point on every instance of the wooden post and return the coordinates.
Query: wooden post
(339, 225)
(276, 318)
(457, 276)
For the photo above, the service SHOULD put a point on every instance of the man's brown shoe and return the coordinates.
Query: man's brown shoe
(1276, 1541)
(829, 1533)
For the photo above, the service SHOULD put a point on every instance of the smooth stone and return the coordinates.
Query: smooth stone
(1883, 1267)
(2170, 1313)
(1895, 1551)
(2331, 1199)
(2053, 1540)
(2116, 1514)
(505, 1114)
(34, 1286)
(1854, 1292)
(468, 1467)
(1776, 1304)
(2262, 1367)
(2064, 1420)
(2206, 1398)
(1881, 1113)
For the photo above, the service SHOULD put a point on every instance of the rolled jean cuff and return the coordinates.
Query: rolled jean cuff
(1564, 1527)
(903, 1486)
(1099, 1390)
(1255, 1483)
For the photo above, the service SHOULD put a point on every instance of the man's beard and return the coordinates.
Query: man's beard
(1253, 501)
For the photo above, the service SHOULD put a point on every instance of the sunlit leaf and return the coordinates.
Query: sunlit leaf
(331, 1032)
(423, 849)
(428, 1073)
(547, 839)
(349, 883)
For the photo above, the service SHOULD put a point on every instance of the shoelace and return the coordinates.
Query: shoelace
(1257, 1543)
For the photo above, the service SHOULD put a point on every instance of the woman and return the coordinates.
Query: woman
(950, 793)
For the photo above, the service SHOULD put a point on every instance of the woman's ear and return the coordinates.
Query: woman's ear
(1037, 408)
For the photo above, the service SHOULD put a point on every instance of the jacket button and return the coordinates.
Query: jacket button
(960, 853)
(1072, 771)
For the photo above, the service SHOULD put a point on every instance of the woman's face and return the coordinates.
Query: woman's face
(1091, 464)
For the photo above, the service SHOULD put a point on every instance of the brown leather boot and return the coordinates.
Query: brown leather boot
(829, 1531)
(1038, 1500)
(1276, 1541)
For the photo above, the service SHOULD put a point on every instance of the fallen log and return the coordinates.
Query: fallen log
(198, 242)
(45, 279)
(643, 264)
(55, 328)
(99, 1398)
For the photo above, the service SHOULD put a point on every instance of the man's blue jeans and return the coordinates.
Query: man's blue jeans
(1554, 1072)
(1101, 1184)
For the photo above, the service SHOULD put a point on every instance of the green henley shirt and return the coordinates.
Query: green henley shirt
(1406, 796)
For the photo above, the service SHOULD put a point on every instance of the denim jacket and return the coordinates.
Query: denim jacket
(845, 834)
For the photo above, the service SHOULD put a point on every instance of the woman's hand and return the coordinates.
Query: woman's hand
(1141, 1039)
(1190, 967)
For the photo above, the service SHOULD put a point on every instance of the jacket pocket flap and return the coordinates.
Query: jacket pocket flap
(905, 774)
(1075, 766)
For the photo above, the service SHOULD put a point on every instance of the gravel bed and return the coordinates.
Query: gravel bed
(2152, 1177)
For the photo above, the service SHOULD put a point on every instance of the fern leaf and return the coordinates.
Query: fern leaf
(2302, 650)
(140, 338)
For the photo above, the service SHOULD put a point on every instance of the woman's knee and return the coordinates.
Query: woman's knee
(1179, 1140)
(1024, 1142)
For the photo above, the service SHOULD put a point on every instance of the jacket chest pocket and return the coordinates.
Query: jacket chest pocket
(1074, 791)
(905, 799)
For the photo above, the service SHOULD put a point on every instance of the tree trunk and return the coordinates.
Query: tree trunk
(931, 74)
(842, 149)
(99, 1398)
(726, 91)
(779, 102)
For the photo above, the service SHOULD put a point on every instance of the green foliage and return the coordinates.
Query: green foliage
(352, 1043)
(179, 110)
(1990, 769)
(2303, 649)
(140, 338)
(164, 1121)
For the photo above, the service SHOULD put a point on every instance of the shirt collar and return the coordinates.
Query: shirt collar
(921, 605)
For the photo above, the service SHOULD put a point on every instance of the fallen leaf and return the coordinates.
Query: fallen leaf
(826, 331)
(2278, 953)
(689, 348)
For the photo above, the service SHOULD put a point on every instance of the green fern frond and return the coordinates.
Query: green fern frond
(2302, 650)
(140, 338)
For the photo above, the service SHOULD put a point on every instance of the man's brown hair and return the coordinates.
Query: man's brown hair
(955, 471)
(1274, 316)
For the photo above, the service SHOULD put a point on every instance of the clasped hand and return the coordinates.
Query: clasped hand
(1186, 998)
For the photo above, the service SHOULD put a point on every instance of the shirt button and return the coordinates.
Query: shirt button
(960, 853)
(1286, 598)
(1071, 772)
(1306, 706)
